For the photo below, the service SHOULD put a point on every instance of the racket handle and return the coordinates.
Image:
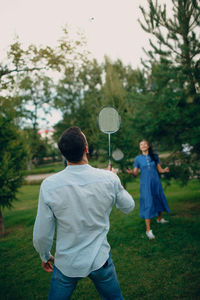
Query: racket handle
(109, 165)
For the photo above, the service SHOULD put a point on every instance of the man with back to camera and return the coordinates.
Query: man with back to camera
(80, 199)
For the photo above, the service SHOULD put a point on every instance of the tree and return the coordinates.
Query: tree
(177, 40)
(13, 154)
(121, 86)
(38, 147)
(29, 74)
(81, 98)
(20, 60)
(172, 104)
(35, 92)
(95, 86)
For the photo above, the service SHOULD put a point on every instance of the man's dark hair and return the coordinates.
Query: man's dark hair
(72, 144)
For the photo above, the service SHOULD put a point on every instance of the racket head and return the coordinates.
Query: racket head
(109, 120)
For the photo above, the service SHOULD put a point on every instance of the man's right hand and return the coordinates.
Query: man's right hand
(48, 266)
(110, 168)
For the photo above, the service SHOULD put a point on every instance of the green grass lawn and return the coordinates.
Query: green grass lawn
(165, 268)
(56, 167)
(44, 169)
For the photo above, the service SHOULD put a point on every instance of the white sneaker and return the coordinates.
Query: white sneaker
(162, 221)
(150, 234)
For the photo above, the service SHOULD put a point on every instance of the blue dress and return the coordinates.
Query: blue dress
(152, 198)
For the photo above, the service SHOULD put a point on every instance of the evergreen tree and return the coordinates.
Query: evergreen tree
(170, 111)
(13, 154)
(177, 40)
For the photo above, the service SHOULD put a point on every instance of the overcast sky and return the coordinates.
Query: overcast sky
(110, 26)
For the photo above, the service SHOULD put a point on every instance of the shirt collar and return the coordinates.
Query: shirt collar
(77, 167)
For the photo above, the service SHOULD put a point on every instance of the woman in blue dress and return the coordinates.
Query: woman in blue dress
(152, 199)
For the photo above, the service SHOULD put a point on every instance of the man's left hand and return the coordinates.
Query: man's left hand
(48, 266)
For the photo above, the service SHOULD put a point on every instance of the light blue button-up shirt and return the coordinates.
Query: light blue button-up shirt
(79, 200)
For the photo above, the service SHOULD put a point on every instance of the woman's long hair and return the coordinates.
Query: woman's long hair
(151, 153)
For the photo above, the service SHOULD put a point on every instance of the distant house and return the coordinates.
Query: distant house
(47, 134)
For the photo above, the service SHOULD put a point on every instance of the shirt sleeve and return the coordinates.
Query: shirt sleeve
(136, 163)
(157, 158)
(44, 228)
(124, 200)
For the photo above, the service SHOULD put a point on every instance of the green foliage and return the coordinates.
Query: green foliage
(170, 113)
(37, 146)
(182, 168)
(29, 72)
(35, 92)
(110, 84)
(160, 103)
(13, 154)
(21, 60)
(79, 98)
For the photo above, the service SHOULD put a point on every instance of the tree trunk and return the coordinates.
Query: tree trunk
(30, 164)
(2, 228)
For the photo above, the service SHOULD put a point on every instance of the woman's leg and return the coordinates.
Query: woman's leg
(149, 232)
(160, 219)
(159, 216)
(148, 223)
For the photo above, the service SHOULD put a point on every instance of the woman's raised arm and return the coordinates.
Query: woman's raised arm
(161, 170)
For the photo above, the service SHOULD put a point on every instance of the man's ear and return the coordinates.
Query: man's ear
(86, 149)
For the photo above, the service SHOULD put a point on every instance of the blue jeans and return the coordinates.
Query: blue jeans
(104, 279)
